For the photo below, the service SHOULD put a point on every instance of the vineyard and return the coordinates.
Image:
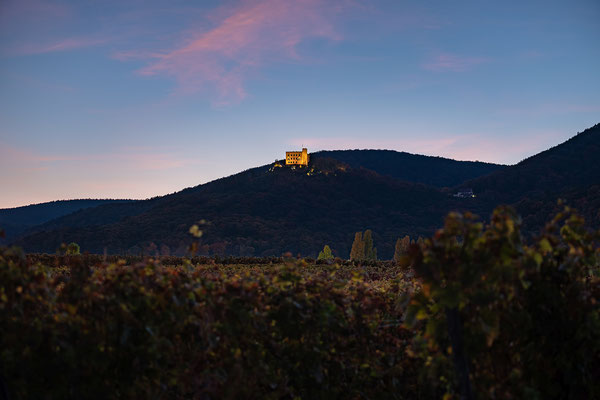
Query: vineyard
(480, 313)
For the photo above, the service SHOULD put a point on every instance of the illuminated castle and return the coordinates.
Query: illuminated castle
(297, 157)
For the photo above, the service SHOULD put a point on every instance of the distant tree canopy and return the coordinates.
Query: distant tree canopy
(362, 247)
(358, 247)
(434, 171)
(73, 249)
(325, 254)
(401, 249)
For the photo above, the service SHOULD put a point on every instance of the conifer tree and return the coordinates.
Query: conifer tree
(398, 250)
(325, 254)
(405, 243)
(73, 249)
(358, 247)
(401, 248)
(368, 244)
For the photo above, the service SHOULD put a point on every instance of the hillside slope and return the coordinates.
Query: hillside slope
(435, 171)
(19, 219)
(570, 171)
(268, 211)
(262, 212)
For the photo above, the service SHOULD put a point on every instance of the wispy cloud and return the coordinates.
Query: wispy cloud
(140, 159)
(59, 45)
(41, 26)
(433, 146)
(453, 62)
(35, 176)
(242, 39)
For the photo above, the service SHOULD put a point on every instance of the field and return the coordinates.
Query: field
(478, 314)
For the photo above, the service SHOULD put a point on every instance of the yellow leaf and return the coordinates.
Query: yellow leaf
(421, 314)
(195, 231)
(545, 246)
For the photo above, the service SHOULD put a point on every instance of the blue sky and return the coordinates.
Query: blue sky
(132, 99)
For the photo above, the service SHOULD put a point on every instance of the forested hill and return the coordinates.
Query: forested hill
(17, 220)
(271, 210)
(340, 213)
(435, 171)
(570, 171)
(262, 212)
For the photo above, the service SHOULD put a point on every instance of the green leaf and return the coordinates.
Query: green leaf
(545, 246)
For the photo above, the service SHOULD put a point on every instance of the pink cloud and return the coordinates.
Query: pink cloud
(244, 37)
(434, 146)
(452, 62)
(134, 172)
(14, 155)
(139, 159)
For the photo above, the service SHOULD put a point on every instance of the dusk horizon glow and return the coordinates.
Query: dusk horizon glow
(140, 99)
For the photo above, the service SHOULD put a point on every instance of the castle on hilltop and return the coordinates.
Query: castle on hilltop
(297, 157)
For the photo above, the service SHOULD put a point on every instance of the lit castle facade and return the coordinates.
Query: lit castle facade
(297, 157)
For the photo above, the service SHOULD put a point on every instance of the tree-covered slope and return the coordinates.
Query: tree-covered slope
(435, 171)
(269, 211)
(569, 171)
(263, 212)
(17, 220)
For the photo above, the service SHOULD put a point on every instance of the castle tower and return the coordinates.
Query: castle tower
(304, 157)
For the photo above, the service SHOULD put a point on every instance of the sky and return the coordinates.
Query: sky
(135, 99)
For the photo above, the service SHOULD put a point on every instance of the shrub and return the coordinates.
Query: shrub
(503, 319)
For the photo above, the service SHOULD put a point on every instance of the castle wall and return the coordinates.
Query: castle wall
(297, 157)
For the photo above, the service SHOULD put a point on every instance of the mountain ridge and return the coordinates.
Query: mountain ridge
(445, 172)
(566, 171)
(267, 210)
(16, 220)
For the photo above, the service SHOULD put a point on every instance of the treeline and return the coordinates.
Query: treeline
(59, 260)
(363, 248)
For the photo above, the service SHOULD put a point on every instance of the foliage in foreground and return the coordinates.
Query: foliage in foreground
(150, 331)
(508, 320)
